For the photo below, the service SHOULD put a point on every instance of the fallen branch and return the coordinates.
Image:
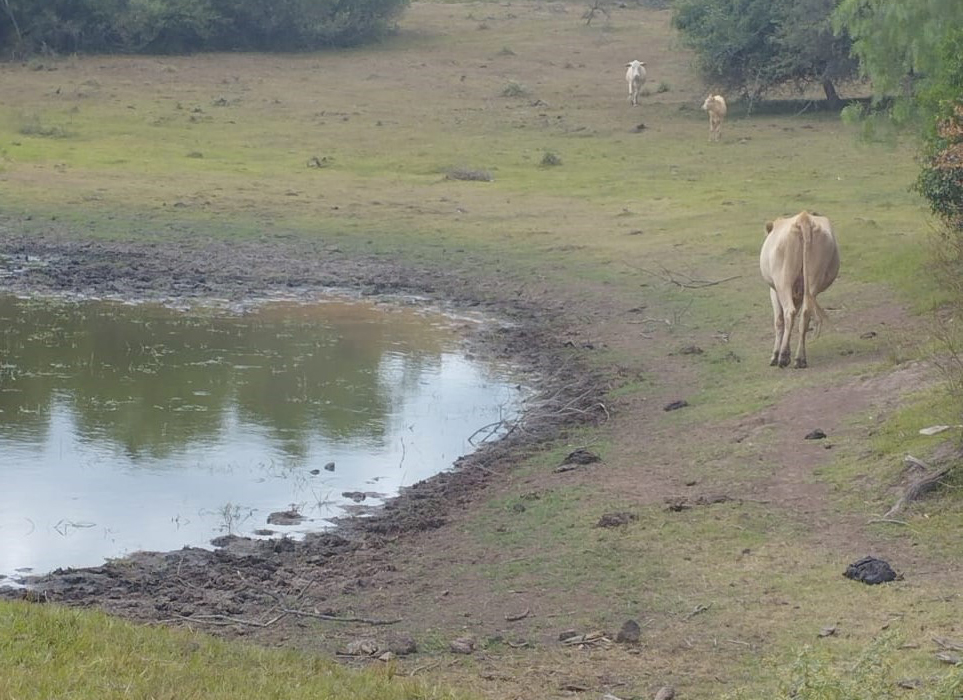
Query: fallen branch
(919, 487)
(516, 618)
(228, 620)
(698, 610)
(335, 618)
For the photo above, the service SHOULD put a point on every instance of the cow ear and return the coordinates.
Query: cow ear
(768, 227)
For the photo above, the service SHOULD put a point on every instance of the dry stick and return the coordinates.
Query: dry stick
(228, 620)
(335, 618)
(918, 487)
(888, 521)
(516, 618)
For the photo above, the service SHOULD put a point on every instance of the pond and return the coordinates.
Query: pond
(130, 427)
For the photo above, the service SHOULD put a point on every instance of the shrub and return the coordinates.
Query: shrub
(176, 26)
(551, 159)
(514, 89)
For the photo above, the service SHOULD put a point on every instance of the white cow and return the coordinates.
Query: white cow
(715, 105)
(799, 259)
(635, 77)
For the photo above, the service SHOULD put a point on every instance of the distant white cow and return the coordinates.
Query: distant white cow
(799, 259)
(635, 77)
(715, 105)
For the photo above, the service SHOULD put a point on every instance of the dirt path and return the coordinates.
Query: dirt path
(413, 578)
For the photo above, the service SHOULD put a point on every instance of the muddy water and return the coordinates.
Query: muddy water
(132, 427)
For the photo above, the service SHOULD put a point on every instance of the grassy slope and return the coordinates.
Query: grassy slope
(139, 147)
(48, 652)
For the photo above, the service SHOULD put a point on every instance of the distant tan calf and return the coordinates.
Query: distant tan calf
(715, 105)
(799, 259)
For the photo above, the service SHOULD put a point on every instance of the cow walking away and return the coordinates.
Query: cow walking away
(635, 77)
(715, 105)
(799, 259)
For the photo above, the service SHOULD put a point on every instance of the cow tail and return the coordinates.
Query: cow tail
(809, 299)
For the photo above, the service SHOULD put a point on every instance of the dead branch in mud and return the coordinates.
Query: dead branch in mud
(492, 429)
(224, 620)
(562, 403)
(923, 485)
(335, 618)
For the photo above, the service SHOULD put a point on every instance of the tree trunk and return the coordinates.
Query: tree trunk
(832, 97)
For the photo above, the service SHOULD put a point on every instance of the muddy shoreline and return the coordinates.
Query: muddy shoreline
(245, 580)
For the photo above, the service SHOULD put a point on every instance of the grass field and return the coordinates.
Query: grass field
(649, 238)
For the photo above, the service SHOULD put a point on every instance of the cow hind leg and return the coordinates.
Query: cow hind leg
(789, 313)
(804, 322)
(779, 327)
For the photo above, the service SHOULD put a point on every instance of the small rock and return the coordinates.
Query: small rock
(581, 456)
(675, 405)
(314, 472)
(356, 496)
(868, 334)
(690, 350)
(816, 434)
(666, 692)
(362, 647)
(630, 633)
(387, 656)
(329, 467)
(870, 570)
(462, 645)
(828, 631)
(567, 634)
(403, 646)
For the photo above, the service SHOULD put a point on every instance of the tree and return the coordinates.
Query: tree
(177, 26)
(754, 46)
(912, 52)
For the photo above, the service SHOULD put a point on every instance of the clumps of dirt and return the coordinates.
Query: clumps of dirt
(616, 519)
(236, 588)
(870, 570)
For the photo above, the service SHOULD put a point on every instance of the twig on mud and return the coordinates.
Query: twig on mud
(228, 620)
(888, 521)
(700, 608)
(424, 667)
(335, 618)
(492, 428)
(403, 451)
(516, 618)
(922, 485)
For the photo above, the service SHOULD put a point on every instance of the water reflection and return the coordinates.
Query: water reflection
(139, 427)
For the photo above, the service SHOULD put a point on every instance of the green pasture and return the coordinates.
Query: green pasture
(52, 652)
(362, 149)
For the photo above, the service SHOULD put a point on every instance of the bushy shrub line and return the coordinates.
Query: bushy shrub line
(179, 26)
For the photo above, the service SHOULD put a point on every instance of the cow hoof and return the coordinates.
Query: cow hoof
(800, 363)
(773, 362)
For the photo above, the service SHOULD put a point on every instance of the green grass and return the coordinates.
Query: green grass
(51, 652)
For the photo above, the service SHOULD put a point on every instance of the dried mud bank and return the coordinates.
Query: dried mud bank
(244, 580)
